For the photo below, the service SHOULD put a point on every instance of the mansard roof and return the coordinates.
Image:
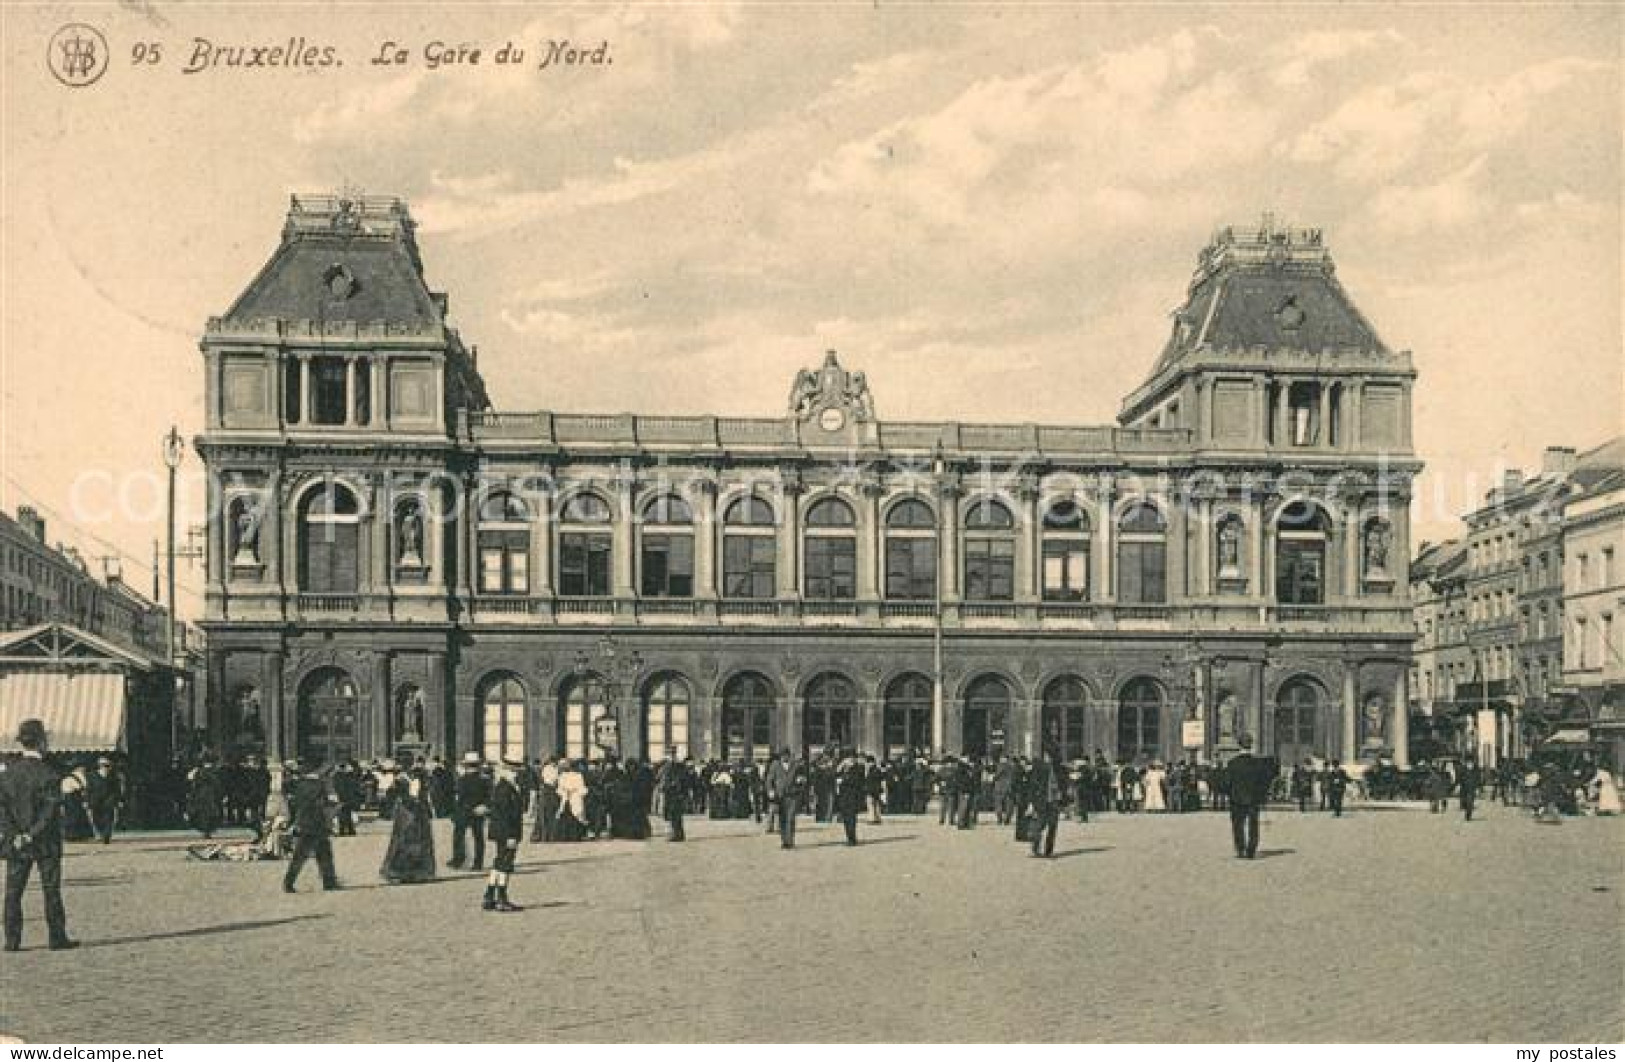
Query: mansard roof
(1268, 287)
(343, 260)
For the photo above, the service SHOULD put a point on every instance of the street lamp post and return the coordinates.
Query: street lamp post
(174, 448)
(617, 668)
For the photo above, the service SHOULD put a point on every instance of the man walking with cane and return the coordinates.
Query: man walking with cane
(31, 834)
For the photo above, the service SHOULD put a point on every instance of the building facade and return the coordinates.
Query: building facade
(1594, 602)
(395, 565)
(1442, 660)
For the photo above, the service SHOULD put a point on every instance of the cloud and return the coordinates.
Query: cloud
(360, 111)
(1302, 57)
(1457, 199)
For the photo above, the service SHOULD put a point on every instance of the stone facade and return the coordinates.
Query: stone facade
(394, 564)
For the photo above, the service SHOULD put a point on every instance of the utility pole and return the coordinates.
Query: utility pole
(939, 720)
(173, 449)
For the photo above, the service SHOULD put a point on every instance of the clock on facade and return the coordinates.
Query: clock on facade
(832, 419)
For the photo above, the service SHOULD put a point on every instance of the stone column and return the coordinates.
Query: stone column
(788, 731)
(1178, 539)
(1258, 712)
(1104, 545)
(1323, 437)
(463, 527)
(1202, 583)
(379, 541)
(948, 543)
(1356, 412)
(349, 393)
(705, 542)
(290, 715)
(273, 709)
(218, 563)
(379, 413)
(1401, 720)
(381, 725)
(441, 731)
(624, 585)
(870, 558)
(215, 707)
(541, 548)
(1351, 711)
(787, 563)
(1262, 590)
(871, 736)
(272, 527)
(307, 401)
(1028, 561)
(1351, 549)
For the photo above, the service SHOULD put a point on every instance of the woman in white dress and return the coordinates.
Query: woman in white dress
(572, 801)
(1155, 780)
(1605, 794)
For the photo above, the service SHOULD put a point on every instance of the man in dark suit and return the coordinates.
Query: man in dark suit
(103, 795)
(468, 812)
(31, 835)
(785, 783)
(308, 808)
(676, 779)
(1044, 799)
(507, 817)
(850, 794)
(1248, 779)
(1337, 783)
(1469, 782)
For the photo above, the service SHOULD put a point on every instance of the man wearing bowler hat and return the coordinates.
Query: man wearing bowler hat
(1248, 779)
(473, 793)
(31, 835)
(313, 832)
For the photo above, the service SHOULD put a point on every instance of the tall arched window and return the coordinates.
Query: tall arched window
(911, 551)
(1142, 556)
(582, 704)
(330, 537)
(1139, 721)
(1300, 554)
(907, 715)
(504, 544)
(1066, 552)
(827, 715)
(1062, 717)
(666, 553)
(749, 549)
(665, 718)
(586, 540)
(1297, 713)
(748, 706)
(831, 552)
(502, 717)
(990, 552)
(987, 716)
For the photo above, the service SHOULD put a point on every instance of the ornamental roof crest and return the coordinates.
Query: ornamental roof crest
(831, 388)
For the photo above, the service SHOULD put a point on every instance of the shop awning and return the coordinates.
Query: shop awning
(1568, 738)
(83, 711)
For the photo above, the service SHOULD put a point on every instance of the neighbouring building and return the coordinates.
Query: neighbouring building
(394, 565)
(1442, 660)
(1593, 587)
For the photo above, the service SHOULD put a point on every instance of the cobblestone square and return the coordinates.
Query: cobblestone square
(1387, 925)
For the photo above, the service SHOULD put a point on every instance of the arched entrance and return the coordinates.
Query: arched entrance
(826, 720)
(327, 708)
(1297, 717)
(907, 718)
(747, 718)
(1062, 717)
(987, 717)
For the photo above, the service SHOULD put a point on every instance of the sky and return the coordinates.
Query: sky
(991, 211)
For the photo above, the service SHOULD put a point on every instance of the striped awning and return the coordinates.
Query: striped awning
(83, 711)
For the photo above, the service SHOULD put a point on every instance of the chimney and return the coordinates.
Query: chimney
(32, 522)
(1511, 480)
(112, 570)
(1557, 462)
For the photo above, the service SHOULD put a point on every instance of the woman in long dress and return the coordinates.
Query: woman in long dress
(410, 856)
(572, 793)
(1606, 798)
(1155, 797)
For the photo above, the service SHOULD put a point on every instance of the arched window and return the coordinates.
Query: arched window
(748, 706)
(1297, 713)
(827, 715)
(502, 718)
(582, 703)
(666, 553)
(330, 536)
(749, 549)
(1139, 721)
(1066, 552)
(911, 551)
(986, 716)
(1142, 556)
(1063, 716)
(585, 543)
(907, 715)
(665, 718)
(1300, 554)
(504, 544)
(990, 552)
(831, 552)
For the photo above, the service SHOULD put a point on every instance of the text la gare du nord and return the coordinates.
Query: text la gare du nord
(299, 52)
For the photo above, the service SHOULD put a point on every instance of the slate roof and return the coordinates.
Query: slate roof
(336, 263)
(1273, 289)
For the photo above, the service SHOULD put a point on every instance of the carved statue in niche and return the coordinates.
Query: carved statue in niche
(250, 727)
(858, 397)
(1230, 547)
(1374, 719)
(245, 531)
(803, 392)
(409, 711)
(1378, 538)
(1229, 716)
(409, 533)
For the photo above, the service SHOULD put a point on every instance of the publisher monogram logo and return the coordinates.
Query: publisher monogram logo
(77, 55)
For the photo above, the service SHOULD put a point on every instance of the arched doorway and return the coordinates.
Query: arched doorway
(1062, 717)
(907, 711)
(826, 719)
(666, 702)
(747, 718)
(1139, 721)
(327, 708)
(987, 717)
(1297, 717)
(502, 717)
